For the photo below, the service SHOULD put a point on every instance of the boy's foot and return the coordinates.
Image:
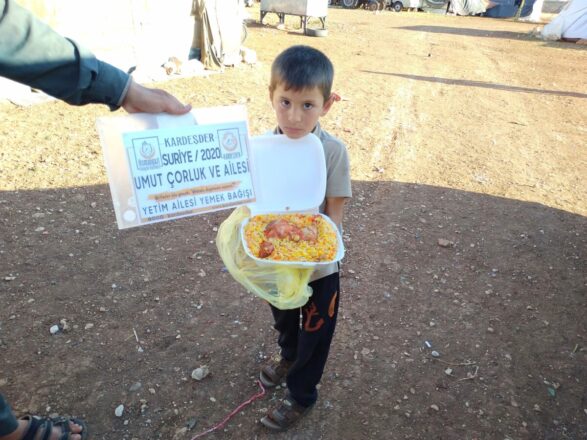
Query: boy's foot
(36, 428)
(273, 373)
(285, 414)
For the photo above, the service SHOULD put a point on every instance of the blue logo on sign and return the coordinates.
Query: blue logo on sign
(146, 152)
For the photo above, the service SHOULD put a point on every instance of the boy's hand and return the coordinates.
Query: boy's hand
(141, 99)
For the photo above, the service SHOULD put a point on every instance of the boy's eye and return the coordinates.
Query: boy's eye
(308, 105)
(285, 102)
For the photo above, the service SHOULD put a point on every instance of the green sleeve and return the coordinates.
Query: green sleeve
(34, 54)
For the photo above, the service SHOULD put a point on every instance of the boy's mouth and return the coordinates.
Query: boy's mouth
(293, 131)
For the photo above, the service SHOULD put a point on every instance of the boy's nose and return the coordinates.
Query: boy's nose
(295, 115)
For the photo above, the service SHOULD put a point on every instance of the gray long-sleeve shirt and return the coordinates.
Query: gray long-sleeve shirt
(34, 54)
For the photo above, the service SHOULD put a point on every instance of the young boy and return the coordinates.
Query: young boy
(300, 92)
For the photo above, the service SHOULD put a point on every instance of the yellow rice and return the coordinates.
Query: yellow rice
(323, 249)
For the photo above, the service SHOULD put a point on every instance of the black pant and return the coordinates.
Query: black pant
(8, 422)
(307, 343)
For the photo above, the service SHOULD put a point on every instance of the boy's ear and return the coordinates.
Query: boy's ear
(328, 104)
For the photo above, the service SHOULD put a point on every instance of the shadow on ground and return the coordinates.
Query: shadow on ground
(480, 84)
(501, 297)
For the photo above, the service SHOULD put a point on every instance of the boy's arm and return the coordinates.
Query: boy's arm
(335, 209)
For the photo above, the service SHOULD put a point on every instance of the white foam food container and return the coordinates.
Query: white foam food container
(289, 176)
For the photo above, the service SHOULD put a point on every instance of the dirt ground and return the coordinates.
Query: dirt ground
(459, 129)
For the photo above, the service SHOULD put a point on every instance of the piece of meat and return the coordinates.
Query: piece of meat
(309, 233)
(294, 233)
(265, 249)
(277, 229)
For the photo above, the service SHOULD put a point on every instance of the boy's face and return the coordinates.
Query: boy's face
(298, 111)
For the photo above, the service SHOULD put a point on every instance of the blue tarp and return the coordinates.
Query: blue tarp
(509, 8)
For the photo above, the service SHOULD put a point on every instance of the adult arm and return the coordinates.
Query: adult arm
(34, 54)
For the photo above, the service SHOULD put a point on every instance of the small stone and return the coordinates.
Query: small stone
(443, 242)
(435, 354)
(39, 229)
(328, 404)
(180, 433)
(119, 410)
(89, 326)
(448, 371)
(200, 372)
(135, 387)
(435, 407)
(191, 423)
(490, 329)
(54, 329)
(152, 390)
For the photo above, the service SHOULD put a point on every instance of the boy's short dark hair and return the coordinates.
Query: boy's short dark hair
(302, 67)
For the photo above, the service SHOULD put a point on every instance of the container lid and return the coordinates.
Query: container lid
(289, 175)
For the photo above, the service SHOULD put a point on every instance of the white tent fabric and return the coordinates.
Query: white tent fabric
(217, 31)
(570, 23)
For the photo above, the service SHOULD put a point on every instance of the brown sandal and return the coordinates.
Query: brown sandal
(273, 373)
(285, 415)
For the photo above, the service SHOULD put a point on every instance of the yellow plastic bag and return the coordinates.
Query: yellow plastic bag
(284, 287)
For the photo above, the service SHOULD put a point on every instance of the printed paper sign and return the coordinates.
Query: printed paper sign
(180, 171)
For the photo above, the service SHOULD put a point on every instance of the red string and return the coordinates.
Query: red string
(234, 412)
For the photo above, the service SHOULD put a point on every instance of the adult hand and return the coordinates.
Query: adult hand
(141, 99)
